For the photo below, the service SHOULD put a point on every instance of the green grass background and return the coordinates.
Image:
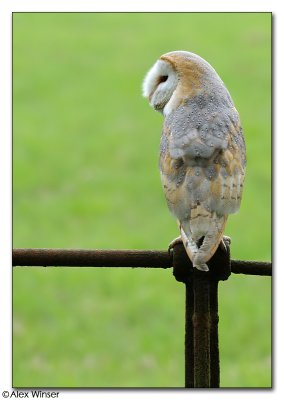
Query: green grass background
(85, 175)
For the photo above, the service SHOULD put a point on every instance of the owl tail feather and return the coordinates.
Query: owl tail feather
(200, 255)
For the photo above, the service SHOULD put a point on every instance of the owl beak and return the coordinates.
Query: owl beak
(158, 107)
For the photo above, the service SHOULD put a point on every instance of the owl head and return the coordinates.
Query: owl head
(177, 76)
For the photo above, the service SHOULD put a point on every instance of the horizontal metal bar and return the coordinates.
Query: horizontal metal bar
(92, 258)
(251, 267)
(118, 258)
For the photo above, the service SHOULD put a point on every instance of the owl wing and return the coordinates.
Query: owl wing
(198, 133)
(211, 146)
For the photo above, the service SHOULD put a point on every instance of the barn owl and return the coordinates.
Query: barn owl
(202, 149)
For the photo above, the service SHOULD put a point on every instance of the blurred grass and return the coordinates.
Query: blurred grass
(85, 175)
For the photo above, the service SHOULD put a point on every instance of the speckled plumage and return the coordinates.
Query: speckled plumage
(202, 149)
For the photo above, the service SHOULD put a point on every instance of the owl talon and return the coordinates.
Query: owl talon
(174, 242)
(223, 246)
(225, 242)
(227, 239)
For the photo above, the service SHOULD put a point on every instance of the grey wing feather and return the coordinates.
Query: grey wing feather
(199, 133)
(209, 140)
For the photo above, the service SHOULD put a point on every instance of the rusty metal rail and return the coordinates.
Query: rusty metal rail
(118, 258)
(202, 365)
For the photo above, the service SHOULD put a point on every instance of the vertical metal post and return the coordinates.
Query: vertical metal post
(202, 367)
(214, 339)
(189, 339)
(201, 330)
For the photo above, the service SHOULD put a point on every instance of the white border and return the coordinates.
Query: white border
(138, 5)
(6, 9)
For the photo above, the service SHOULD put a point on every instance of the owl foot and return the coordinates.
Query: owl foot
(225, 242)
(174, 242)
